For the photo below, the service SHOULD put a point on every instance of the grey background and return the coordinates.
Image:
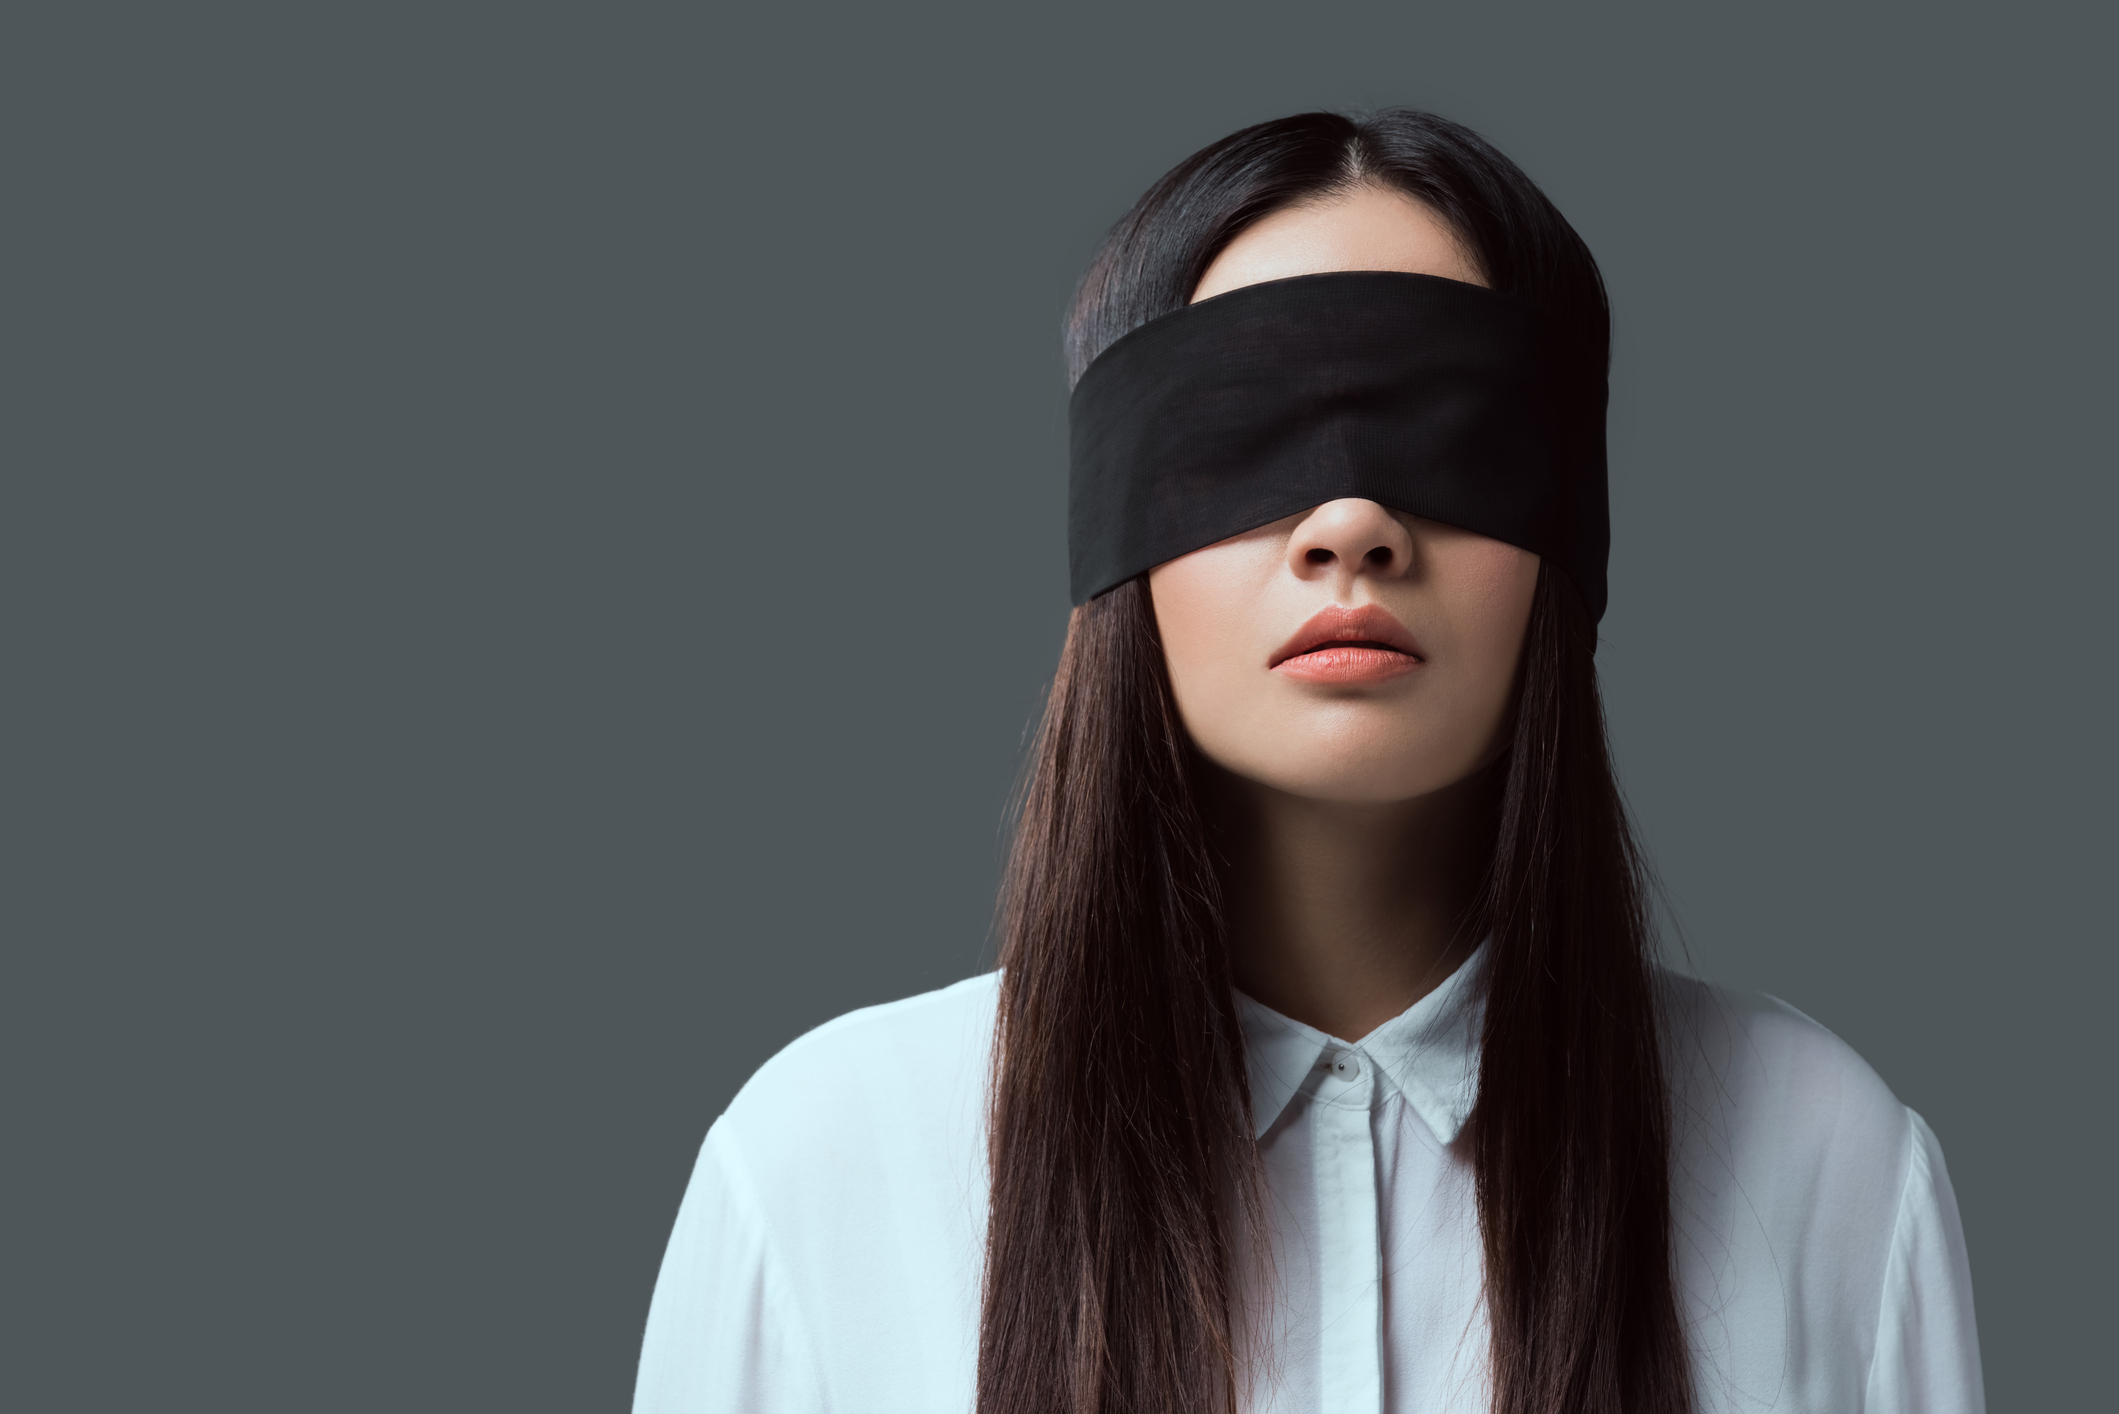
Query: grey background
(532, 536)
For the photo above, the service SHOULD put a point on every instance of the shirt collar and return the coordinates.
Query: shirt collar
(1429, 1051)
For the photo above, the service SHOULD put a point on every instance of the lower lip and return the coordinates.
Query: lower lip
(1348, 665)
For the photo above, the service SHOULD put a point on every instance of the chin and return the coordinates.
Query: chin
(1357, 779)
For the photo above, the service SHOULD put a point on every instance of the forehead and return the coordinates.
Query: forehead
(1371, 228)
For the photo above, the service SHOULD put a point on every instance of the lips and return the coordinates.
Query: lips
(1350, 646)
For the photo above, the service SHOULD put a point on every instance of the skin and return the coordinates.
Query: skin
(1349, 816)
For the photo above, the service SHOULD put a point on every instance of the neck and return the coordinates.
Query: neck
(1341, 915)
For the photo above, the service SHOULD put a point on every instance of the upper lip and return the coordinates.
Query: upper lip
(1336, 623)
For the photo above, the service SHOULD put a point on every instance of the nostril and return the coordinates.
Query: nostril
(1380, 556)
(1319, 557)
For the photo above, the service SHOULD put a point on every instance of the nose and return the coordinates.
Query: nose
(1350, 537)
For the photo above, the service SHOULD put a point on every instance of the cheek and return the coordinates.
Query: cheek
(1487, 588)
(1208, 611)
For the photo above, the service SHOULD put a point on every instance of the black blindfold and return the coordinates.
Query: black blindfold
(1435, 397)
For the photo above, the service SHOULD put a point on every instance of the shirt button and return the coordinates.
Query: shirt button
(1346, 1066)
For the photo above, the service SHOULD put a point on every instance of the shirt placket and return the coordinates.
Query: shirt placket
(1349, 1246)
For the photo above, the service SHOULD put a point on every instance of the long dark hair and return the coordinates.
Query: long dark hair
(1123, 1164)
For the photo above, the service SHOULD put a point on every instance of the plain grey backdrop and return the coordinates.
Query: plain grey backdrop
(531, 538)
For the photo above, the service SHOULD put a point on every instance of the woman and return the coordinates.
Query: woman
(1327, 1067)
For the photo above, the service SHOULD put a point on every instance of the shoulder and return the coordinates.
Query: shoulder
(876, 1045)
(886, 1085)
(1773, 1111)
(1747, 1065)
(833, 1235)
(1819, 1251)
(1750, 1055)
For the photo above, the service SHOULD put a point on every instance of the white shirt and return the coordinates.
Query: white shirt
(827, 1255)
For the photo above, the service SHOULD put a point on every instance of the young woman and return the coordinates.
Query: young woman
(1327, 1067)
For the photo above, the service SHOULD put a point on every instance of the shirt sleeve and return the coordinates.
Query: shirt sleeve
(722, 1331)
(1926, 1359)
